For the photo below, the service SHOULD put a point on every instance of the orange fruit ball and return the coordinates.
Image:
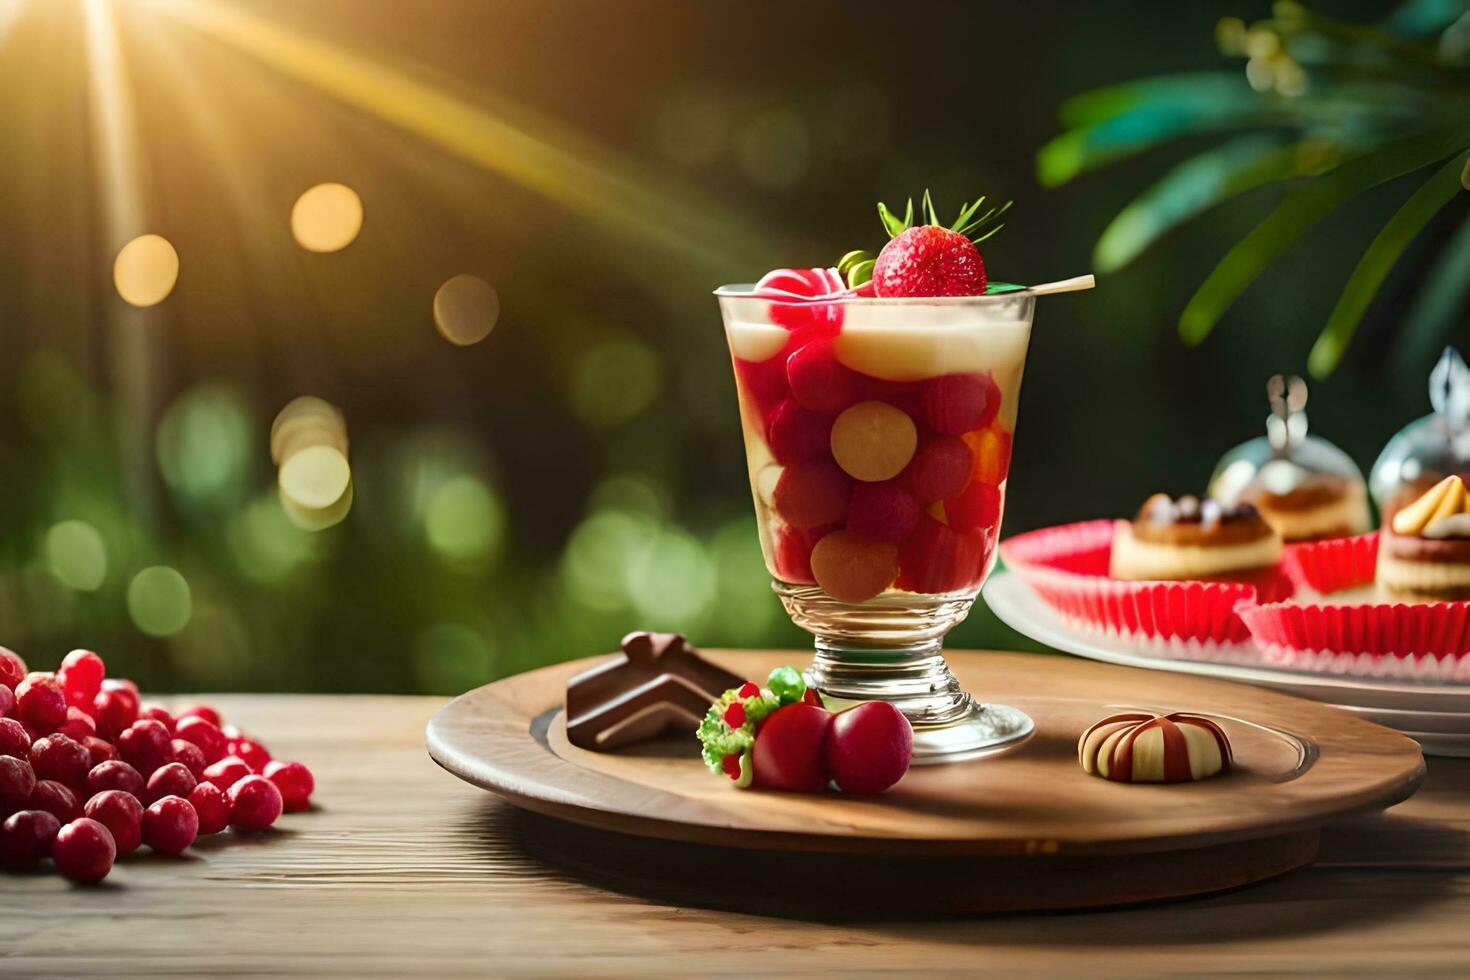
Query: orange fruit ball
(852, 568)
(873, 441)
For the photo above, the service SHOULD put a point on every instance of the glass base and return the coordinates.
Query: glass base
(988, 729)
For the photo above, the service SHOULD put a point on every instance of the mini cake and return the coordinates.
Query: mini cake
(1425, 552)
(1149, 748)
(1321, 506)
(1192, 539)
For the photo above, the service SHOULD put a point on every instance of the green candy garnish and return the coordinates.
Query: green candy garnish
(718, 739)
(786, 684)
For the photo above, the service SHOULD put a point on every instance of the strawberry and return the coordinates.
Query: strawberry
(930, 259)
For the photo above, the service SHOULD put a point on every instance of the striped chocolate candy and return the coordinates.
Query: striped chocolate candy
(1149, 748)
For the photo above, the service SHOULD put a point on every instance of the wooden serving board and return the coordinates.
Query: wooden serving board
(1026, 829)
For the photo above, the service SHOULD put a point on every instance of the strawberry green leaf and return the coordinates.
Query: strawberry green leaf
(930, 218)
(891, 224)
(859, 273)
(1379, 259)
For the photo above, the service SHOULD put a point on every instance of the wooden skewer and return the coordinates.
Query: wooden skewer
(1072, 285)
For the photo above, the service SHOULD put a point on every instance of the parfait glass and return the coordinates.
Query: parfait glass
(878, 441)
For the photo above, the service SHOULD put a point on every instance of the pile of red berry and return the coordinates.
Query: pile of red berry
(88, 772)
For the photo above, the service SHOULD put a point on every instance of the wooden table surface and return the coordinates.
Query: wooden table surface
(404, 870)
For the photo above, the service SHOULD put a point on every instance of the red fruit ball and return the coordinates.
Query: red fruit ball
(78, 724)
(17, 779)
(118, 775)
(940, 469)
(296, 783)
(928, 260)
(818, 381)
(882, 511)
(7, 702)
(174, 779)
(788, 749)
(212, 805)
(60, 758)
(954, 404)
(26, 838)
(251, 752)
(793, 557)
(99, 749)
(114, 711)
(40, 702)
(255, 803)
(55, 799)
(84, 851)
(227, 771)
(14, 739)
(938, 559)
(203, 711)
(977, 507)
(81, 674)
(762, 384)
(869, 747)
(12, 669)
(145, 745)
(205, 734)
(158, 714)
(795, 434)
(189, 755)
(812, 494)
(170, 825)
(122, 815)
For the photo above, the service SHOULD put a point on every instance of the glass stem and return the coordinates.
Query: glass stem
(915, 679)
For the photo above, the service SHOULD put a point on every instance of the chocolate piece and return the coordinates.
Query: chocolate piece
(658, 682)
(1148, 748)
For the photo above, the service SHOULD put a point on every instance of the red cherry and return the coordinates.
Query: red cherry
(84, 851)
(7, 702)
(118, 775)
(812, 494)
(174, 779)
(122, 815)
(119, 684)
(78, 724)
(296, 783)
(869, 747)
(227, 771)
(882, 511)
(818, 381)
(735, 714)
(793, 557)
(40, 702)
(788, 749)
(170, 825)
(12, 669)
(212, 805)
(977, 507)
(81, 674)
(61, 758)
(189, 755)
(14, 739)
(748, 690)
(55, 799)
(100, 749)
(251, 752)
(795, 434)
(205, 734)
(114, 710)
(200, 711)
(255, 803)
(145, 745)
(810, 696)
(940, 469)
(26, 839)
(954, 404)
(17, 779)
(158, 714)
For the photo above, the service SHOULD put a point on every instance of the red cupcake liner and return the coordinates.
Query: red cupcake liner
(1332, 565)
(1421, 642)
(1067, 567)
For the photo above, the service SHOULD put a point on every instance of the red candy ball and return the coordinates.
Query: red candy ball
(227, 772)
(795, 434)
(793, 557)
(812, 494)
(937, 559)
(12, 669)
(81, 675)
(189, 755)
(174, 779)
(55, 799)
(251, 752)
(882, 511)
(26, 839)
(158, 714)
(40, 702)
(940, 469)
(14, 739)
(977, 507)
(255, 803)
(212, 805)
(869, 747)
(205, 734)
(61, 758)
(954, 404)
(84, 851)
(203, 711)
(818, 381)
(762, 383)
(295, 782)
(788, 749)
(100, 749)
(78, 724)
(122, 815)
(17, 779)
(114, 711)
(145, 745)
(7, 702)
(117, 775)
(170, 825)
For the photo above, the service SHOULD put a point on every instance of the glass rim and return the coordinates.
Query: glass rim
(746, 290)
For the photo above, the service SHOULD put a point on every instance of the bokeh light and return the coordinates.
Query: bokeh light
(465, 309)
(159, 601)
(671, 580)
(316, 477)
(317, 518)
(307, 421)
(265, 543)
(77, 554)
(464, 521)
(327, 218)
(146, 270)
(614, 381)
(203, 444)
(452, 657)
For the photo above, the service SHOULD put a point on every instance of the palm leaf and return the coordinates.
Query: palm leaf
(1379, 260)
(1439, 300)
(1186, 91)
(1201, 183)
(1299, 211)
(1422, 18)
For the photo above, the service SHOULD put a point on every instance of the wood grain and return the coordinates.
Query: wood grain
(405, 870)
